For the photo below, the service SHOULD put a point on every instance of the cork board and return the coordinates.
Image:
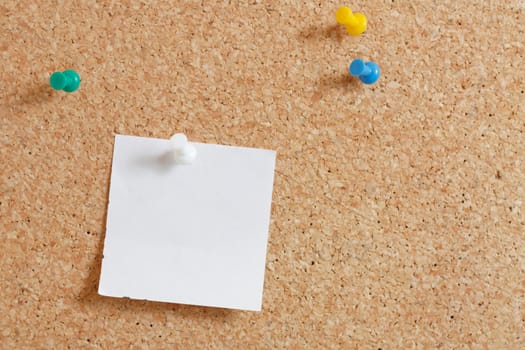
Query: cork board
(397, 216)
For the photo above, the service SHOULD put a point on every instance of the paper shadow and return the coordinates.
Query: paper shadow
(90, 289)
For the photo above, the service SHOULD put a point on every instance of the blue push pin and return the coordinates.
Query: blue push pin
(68, 80)
(368, 72)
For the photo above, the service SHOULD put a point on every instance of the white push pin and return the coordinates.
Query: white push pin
(183, 151)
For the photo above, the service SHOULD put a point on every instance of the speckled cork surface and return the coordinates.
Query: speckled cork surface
(397, 218)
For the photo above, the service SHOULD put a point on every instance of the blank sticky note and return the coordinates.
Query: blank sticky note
(191, 234)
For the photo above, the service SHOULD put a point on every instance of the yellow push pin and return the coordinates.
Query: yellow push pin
(355, 22)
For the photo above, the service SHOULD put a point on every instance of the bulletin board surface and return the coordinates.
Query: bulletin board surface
(397, 216)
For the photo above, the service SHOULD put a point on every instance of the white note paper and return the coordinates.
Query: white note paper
(191, 234)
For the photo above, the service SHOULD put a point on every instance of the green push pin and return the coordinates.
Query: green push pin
(68, 80)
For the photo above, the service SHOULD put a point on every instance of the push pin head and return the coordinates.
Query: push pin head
(368, 72)
(183, 151)
(355, 23)
(68, 80)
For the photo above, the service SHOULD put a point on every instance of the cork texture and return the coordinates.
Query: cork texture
(397, 216)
